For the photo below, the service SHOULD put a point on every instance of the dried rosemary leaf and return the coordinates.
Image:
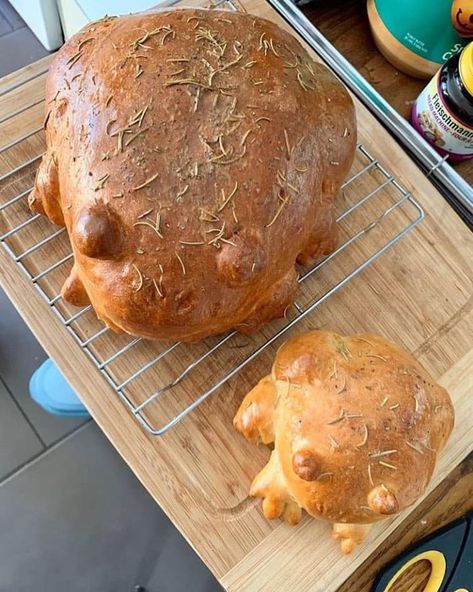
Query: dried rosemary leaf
(140, 278)
(181, 263)
(146, 183)
(365, 437)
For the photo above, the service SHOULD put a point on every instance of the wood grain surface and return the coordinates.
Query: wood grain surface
(419, 293)
(345, 24)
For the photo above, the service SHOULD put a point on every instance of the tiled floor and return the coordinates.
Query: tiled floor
(78, 520)
(76, 517)
(18, 442)
(16, 373)
(72, 515)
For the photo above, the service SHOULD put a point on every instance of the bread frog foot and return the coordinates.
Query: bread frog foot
(255, 419)
(44, 198)
(269, 484)
(73, 290)
(350, 535)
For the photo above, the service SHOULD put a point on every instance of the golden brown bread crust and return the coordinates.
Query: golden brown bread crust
(193, 155)
(357, 426)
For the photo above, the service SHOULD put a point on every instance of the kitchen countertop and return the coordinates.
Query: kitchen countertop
(345, 24)
(243, 551)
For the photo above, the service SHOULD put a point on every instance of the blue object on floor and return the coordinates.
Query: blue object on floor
(51, 391)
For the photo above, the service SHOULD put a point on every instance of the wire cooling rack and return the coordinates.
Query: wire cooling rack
(374, 212)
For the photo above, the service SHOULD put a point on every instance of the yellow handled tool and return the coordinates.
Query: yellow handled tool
(450, 552)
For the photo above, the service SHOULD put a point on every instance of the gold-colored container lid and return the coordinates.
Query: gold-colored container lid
(466, 67)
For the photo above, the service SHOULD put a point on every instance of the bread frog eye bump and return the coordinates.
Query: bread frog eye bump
(185, 300)
(383, 501)
(240, 259)
(306, 465)
(97, 233)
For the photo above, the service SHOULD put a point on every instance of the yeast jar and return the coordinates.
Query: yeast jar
(443, 112)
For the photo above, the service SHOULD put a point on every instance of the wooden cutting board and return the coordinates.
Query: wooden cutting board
(419, 293)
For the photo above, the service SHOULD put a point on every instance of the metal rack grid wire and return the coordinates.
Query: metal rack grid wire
(132, 366)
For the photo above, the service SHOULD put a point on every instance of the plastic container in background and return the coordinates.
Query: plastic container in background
(416, 36)
(462, 17)
(52, 392)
